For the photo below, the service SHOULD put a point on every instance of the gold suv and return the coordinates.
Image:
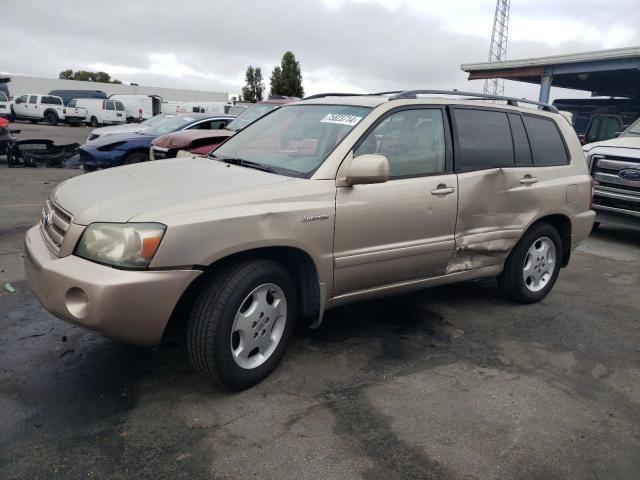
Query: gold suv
(323, 202)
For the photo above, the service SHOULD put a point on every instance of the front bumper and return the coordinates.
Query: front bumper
(134, 306)
(94, 159)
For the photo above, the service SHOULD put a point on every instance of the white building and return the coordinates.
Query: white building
(20, 85)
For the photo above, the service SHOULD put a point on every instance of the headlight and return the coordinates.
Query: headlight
(110, 147)
(128, 245)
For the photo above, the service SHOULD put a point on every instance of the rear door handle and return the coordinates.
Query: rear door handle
(528, 180)
(442, 189)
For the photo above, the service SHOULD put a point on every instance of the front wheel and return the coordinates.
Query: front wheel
(241, 323)
(533, 266)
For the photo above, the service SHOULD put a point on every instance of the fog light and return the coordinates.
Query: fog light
(77, 302)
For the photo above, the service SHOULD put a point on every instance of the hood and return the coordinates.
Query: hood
(118, 137)
(620, 142)
(127, 127)
(191, 138)
(119, 194)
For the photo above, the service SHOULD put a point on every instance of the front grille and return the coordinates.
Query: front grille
(54, 225)
(605, 171)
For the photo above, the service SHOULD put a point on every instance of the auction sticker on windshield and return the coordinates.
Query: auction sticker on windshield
(341, 119)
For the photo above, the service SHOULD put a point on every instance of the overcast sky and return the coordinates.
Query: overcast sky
(342, 45)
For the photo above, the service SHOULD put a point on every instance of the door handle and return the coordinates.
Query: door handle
(528, 180)
(442, 189)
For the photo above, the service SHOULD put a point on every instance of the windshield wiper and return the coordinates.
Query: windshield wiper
(246, 163)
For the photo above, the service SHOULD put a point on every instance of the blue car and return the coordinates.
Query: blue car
(126, 148)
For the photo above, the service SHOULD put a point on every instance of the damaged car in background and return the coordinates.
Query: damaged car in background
(126, 148)
(203, 142)
(321, 203)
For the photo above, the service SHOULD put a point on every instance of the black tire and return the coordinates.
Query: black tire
(51, 118)
(94, 122)
(136, 157)
(511, 280)
(209, 332)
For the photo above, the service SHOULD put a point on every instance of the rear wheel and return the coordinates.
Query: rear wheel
(533, 265)
(94, 122)
(241, 323)
(136, 157)
(51, 118)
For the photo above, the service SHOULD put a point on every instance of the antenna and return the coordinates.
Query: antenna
(498, 47)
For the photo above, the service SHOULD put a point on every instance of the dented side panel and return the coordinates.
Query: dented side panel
(495, 209)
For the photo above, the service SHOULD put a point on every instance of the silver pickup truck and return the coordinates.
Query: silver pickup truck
(615, 166)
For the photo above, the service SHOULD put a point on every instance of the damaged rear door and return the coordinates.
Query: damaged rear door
(495, 175)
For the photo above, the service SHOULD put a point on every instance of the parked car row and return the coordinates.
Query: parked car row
(163, 136)
(100, 109)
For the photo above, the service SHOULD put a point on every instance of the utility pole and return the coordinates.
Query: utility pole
(498, 47)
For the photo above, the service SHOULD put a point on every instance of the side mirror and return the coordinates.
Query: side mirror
(366, 169)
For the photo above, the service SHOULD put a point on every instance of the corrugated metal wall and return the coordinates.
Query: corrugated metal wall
(20, 85)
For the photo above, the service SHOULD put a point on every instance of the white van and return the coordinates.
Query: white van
(205, 107)
(171, 107)
(139, 107)
(101, 112)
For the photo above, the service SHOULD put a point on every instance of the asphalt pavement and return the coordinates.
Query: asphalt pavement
(448, 383)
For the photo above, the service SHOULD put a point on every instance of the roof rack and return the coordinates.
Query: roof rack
(342, 94)
(409, 94)
(336, 94)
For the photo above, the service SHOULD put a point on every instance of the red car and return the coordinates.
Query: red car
(202, 142)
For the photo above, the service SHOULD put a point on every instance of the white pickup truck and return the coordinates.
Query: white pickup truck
(35, 108)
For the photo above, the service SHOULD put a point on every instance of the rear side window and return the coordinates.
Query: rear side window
(33, 99)
(72, 103)
(3, 97)
(484, 140)
(48, 100)
(520, 140)
(547, 146)
(119, 106)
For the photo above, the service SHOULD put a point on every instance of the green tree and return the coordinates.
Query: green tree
(286, 79)
(86, 76)
(276, 80)
(254, 86)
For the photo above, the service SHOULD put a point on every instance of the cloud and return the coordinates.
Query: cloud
(355, 45)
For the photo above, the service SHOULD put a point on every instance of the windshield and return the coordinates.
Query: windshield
(251, 114)
(293, 140)
(168, 125)
(633, 130)
(154, 120)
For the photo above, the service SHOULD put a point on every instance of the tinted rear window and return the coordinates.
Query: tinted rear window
(484, 140)
(547, 146)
